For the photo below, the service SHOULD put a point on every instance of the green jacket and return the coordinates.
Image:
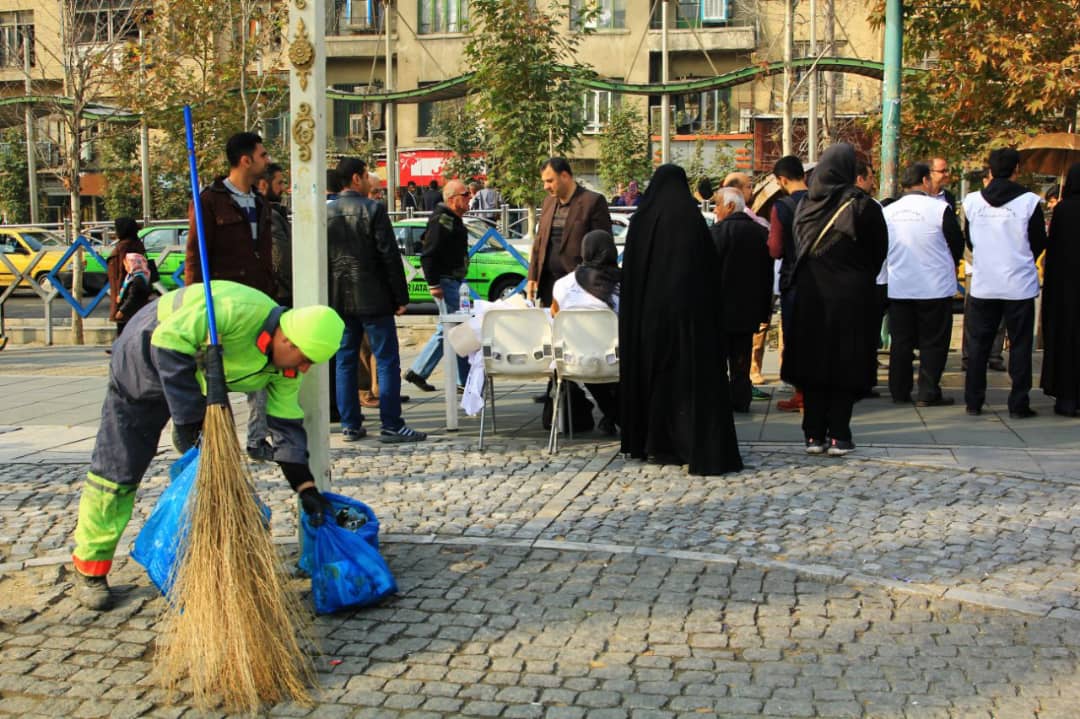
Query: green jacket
(246, 320)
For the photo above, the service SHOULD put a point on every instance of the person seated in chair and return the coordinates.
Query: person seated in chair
(594, 285)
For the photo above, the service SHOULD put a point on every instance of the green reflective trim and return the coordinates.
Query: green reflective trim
(109, 487)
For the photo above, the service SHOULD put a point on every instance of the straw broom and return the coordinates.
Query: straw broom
(231, 623)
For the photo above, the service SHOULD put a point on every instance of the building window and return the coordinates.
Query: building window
(611, 15)
(444, 16)
(695, 13)
(108, 22)
(596, 106)
(14, 28)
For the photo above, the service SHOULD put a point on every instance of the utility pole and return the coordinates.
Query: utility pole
(890, 101)
(391, 117)
(830, 77)
(789, 47)
(144, 132)
(812, 109)
(31, 140)
(665, 99)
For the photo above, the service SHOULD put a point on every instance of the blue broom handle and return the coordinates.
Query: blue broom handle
(204, 263)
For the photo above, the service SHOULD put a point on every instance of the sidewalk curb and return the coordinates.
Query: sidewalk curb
(819, 572)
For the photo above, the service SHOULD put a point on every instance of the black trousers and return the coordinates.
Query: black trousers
(983, 319)
(607, 399)
(926, 324)
(740, 345)
(996, 347)
(827, 413)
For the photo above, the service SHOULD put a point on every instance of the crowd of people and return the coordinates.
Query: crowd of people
(695, 303)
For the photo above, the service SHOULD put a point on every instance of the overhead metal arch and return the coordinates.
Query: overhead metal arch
(459, 86)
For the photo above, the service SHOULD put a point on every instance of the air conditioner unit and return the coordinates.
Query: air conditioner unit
(714, 11)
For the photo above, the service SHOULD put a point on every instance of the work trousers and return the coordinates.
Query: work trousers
(983, 319)
(926, 324)
(827, 413)
(739, 347)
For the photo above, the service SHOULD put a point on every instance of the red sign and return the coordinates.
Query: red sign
(421, 166)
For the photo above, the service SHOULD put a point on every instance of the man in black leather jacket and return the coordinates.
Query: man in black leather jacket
(367, 287)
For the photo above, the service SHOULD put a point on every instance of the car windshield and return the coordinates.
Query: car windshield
(159, 238)
(41, 239)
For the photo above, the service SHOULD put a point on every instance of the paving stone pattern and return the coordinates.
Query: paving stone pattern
(515, 632)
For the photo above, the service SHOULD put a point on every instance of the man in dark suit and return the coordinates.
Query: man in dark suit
(568, 214)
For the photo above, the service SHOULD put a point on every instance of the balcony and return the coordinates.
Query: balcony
(730, 38)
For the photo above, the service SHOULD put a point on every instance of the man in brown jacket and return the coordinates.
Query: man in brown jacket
(239, 247)
(568, 214)
(239, 240)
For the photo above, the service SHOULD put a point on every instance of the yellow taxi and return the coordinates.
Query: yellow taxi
(20, 245)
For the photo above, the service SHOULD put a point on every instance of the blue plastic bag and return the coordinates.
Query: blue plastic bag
(157, 547)
(345, 566)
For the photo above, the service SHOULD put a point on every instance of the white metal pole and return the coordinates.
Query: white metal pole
(391, 116)
(789, 42)
(665, 99)
(31, 135)
(812, 110)
(307, 173)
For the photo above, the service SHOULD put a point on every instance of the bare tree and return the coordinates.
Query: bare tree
(93, 34)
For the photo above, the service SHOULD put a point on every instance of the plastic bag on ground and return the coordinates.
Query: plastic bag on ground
(344, 564)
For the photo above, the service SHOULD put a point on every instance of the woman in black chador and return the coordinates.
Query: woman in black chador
(676, 406)
(831, 353)
(1061, 301)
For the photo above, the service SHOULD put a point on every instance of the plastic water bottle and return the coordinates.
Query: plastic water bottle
(465, 299)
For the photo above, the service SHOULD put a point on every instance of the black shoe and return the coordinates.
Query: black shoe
(840, 447)
(974, 411)
(815, 446)
(902, 400)
(92, 592)
(353, 435)
(608, 427)
(1025, 413)
(405, 398)
(998, 365)
(939, 402)
(541, 398)
(1064, 412)
(419, 381)
(261, 452)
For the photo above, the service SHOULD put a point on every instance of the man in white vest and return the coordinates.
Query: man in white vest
(925, 243)
(1006, 232)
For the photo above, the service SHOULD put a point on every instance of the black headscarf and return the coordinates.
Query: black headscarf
(832, 184)
(598, 274)
(1072, 182)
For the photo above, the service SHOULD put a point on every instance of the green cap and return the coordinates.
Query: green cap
(315, 329)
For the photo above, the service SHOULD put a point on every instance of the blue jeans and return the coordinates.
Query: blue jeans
(429, 357)
(382, 334)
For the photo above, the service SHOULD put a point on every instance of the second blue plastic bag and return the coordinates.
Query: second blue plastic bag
(157, 547)
(345, 566)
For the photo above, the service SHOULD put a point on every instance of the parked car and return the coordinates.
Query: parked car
(20, 245)
(493, 272)
(157, 239)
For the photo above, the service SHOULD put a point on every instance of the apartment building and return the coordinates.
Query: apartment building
(705, 38)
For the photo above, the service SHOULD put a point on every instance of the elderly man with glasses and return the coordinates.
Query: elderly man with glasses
(445, 261)
(940, 177)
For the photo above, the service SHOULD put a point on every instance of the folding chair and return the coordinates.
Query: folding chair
(586, 346)
(515, 343)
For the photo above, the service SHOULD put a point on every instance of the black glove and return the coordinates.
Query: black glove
(315, 506)
(185, 436)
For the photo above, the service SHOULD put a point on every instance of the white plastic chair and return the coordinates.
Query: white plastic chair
(586, 349)
(515, 343)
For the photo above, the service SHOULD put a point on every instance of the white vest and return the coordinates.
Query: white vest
(920, 265)
(1001, 252)
(572, 296)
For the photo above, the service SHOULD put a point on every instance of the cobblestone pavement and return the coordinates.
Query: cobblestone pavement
(586, 585)
(505, 631)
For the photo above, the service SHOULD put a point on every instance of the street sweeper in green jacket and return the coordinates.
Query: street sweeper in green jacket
(155, 374)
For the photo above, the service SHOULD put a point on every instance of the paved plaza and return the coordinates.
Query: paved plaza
(934, 573)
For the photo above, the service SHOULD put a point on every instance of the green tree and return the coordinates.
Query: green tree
(695, 166)
(624, 149)
(530, 108)
(14, 185)
(120, 165)
(998, 71)
(456, 129)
